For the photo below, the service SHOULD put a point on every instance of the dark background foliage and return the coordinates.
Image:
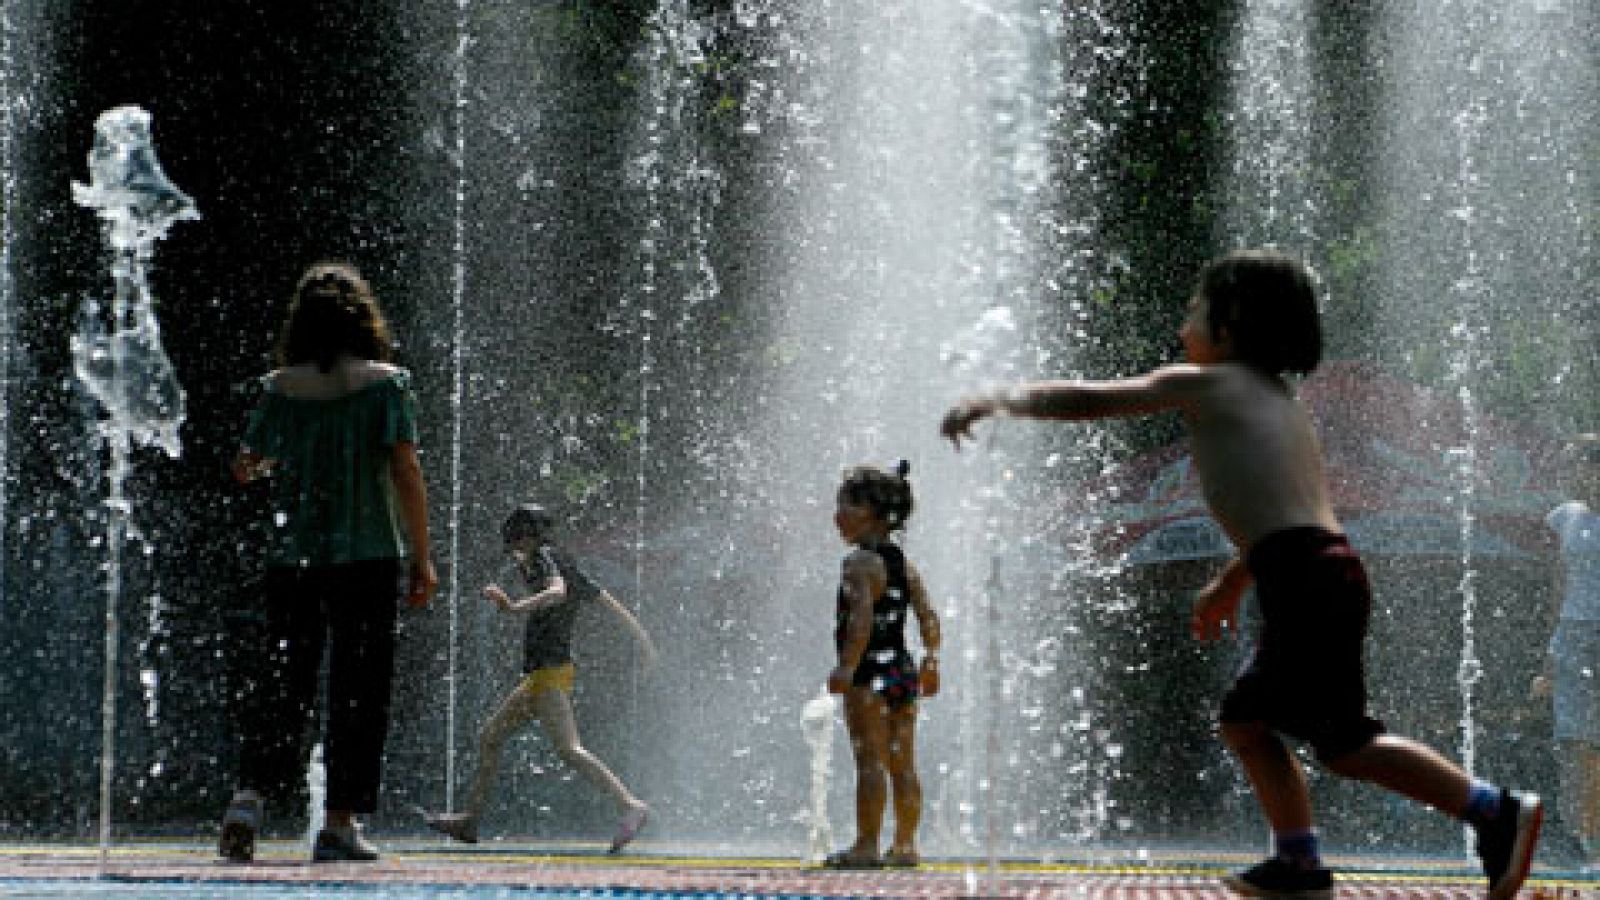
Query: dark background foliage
(325, 129)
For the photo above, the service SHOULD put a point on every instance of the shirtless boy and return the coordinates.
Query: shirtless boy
(1252, 320)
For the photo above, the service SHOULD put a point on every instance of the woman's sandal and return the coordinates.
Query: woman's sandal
(845, 860)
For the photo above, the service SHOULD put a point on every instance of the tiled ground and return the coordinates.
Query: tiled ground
(496, 868)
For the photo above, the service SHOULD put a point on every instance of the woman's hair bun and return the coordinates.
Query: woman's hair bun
(902, 468)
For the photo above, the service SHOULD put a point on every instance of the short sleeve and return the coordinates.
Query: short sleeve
(400, 412)
(1564, 515)
(579, 584)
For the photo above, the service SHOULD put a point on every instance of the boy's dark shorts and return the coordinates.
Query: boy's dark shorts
(1306, 678)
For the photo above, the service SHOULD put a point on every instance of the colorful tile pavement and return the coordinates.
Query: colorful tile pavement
(527, 870)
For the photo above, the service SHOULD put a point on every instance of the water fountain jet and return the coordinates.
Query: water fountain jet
(118, 356)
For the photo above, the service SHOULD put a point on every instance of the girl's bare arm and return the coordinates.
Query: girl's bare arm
(554, 591)
(630, 621)
(928, 624)
(406, 471)
(927, 619)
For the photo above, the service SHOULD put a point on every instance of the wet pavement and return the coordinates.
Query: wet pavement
(425, 868)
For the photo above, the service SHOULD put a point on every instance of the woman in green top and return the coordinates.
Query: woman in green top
(336, 431)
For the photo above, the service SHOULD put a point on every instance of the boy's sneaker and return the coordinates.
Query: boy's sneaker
(342, 845)
(459, 826)
(240, 822)
(1506, 842)
(1276, 877)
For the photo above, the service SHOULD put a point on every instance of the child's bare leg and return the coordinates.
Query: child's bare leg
(1408, 768)
(903, 778)
(1506, 822)
(555, 714)
(515, 711)
(867, 719)
(1275, 775)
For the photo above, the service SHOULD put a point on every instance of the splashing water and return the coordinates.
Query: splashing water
(816, 720)
(1272, 202)
(316, 794)
(986, 350)
(120, 359)
(458, 290)
(12, 100)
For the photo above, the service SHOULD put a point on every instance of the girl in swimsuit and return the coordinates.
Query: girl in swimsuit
(876, 674)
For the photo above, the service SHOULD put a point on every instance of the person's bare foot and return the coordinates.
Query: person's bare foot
(459, 826)
(633, 822)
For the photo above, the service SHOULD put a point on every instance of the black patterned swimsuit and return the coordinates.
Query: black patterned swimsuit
(886, 666)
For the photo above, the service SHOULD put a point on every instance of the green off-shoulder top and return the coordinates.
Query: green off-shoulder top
(333, 497)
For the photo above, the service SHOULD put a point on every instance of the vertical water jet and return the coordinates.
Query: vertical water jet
(118, 356)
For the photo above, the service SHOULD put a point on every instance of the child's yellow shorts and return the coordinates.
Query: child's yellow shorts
(552, 678)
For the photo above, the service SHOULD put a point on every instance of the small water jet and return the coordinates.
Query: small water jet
(118, 356)
(816, 722)
(461, 85)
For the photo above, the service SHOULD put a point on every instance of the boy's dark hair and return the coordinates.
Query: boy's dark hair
(1267, 302)
(333, 312)
(886, 493)
(526, 520)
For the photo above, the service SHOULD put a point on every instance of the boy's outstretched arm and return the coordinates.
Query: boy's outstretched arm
(1170, 387)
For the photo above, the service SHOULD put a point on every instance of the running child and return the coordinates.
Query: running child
(1252, 319)
(551, 593)
(876, 674)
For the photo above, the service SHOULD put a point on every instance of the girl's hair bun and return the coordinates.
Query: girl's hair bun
(885, 490)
